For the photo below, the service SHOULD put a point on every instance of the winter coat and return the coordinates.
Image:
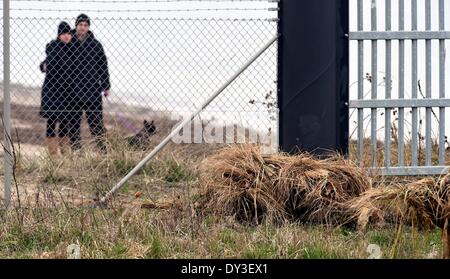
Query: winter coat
(91, 75)
(57, 88)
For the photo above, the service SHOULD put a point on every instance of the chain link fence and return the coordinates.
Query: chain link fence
(142, 66)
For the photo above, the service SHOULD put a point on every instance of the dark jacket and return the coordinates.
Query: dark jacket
(56, 90)
(91, 75)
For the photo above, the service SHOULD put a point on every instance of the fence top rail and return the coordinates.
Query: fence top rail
(152, 19)
(400, 35)
(139, 10)
(400, 103)
(141, 1)
(410, 171)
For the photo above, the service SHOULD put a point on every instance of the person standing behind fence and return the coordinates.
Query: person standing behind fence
(56, 90)
(91, 78)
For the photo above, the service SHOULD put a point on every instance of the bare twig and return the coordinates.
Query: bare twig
(13, 154)
(421, 93)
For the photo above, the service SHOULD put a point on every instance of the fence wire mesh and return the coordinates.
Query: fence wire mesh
(152, 61)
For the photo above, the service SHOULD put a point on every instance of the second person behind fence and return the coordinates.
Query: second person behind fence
(56, 91)
(91, 78)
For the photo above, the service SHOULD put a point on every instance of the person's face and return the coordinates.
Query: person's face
(82, 28)
(65, 38)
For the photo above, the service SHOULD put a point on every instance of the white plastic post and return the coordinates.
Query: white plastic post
(7, 165)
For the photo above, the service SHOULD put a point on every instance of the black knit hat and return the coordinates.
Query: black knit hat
(83, 18)
(63, 28)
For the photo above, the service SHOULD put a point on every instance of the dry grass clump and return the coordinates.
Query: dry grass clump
(318, 190)
(394, 204)
(424, 203)
(238, 181)
(242, 182)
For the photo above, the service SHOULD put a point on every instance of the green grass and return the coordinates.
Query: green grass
(318, 252)
(382, 238)
(156, 250)
(45, 230)
(123, 166)
(141, 233)
(261, 251)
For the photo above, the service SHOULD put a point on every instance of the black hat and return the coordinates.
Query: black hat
(83, 18)
(63, 28)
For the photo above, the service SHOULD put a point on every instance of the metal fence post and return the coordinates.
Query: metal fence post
(313, 76)
(6, 107)
(279, 73)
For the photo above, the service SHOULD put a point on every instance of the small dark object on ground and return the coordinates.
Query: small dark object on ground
(142, 139)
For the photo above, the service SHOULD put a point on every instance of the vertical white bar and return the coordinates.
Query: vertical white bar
(387, 117)
(414, 121)
(373, 116)
(6, 105)
(401, 86)
(360, 85)
(428, 140)
(441, 85)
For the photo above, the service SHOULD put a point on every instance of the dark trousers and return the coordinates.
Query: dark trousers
(94, 115)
